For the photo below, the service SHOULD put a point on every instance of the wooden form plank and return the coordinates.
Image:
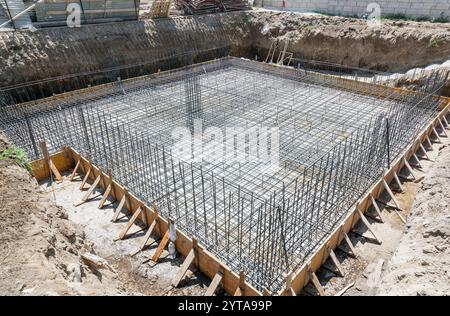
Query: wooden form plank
(147, 240)
(162, 245)
(85, 179)
(130, 223)
(48, 161)
(240, 290)
(376, 207)
(120, 207)
(369, 226)
(75, 170)
(301, 277)
(315, 281)
(214, 284)
(183, 268)
(40, 169)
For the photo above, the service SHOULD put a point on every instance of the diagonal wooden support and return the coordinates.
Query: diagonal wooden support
(130, 223)
(214, 284)
(120, 207)
(437, 135)
(86, 177)
(335, 260)
(347, 240)
(289, 291)
(430, 144)
(391, 194)
(376, 207)
(105, 196)
(410, 169)
(443, 128)
(52, 168)
(108, 190)
(398, 182)
(266, 292)
(240, 291)
(55, 171)
(183, 268)
(147, 240)
(75, 170)
(162, 245)
(315, 281)
(417, 161)
(424, 151)
(92, 188)
(446, 122)
(369, 227)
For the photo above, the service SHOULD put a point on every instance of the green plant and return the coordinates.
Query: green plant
(441, 19)
(18, 155)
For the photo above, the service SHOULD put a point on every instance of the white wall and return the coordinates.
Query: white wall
(413, 8)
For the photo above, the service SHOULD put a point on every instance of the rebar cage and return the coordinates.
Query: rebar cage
(336, 138)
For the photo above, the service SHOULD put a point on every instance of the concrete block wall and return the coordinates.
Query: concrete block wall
(412, 8)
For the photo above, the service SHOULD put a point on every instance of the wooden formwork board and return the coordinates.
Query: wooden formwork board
(206, 262)
(41, 171)
(301, 276)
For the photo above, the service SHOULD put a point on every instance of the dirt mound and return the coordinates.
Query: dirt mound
(40, 252)
(394, 46)
(421, 264)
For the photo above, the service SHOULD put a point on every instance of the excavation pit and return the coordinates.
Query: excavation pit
(333, 138)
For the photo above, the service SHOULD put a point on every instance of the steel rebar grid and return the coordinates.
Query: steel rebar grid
(261, 220)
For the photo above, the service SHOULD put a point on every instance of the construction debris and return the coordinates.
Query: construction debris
(211, 6)
(96, 262)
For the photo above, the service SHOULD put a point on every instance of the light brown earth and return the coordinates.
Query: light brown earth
(421, 263)
(42, 240)
(42, 243)
(395, 46)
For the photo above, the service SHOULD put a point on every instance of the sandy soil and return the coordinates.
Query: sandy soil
(421, 263)
(353, 42)
(41, 248)
(136, 271)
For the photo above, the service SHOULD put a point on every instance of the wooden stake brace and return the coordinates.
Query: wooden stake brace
(120, 207)
(86, 177)
(266, 292)
(443, 128)
(90, 191)
(445, 121)
(75, 171)
(214, 284)
(430, 145)
(49, 162)
(377, 208)
(398, 182)
(183, 268)
(437, 135)
(315, 281)
(335, 260)
(417, 161)
(147, 240)
(388, 190)
(289, 291)
(424, 151)
(108, 191)
(128, 225)
(240, 291)
(347, 240)
(369, 227)
(162, 245)
(410, 169)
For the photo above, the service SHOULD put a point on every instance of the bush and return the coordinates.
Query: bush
(18, 155)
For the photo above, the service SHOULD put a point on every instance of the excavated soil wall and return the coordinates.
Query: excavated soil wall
(394, 46)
